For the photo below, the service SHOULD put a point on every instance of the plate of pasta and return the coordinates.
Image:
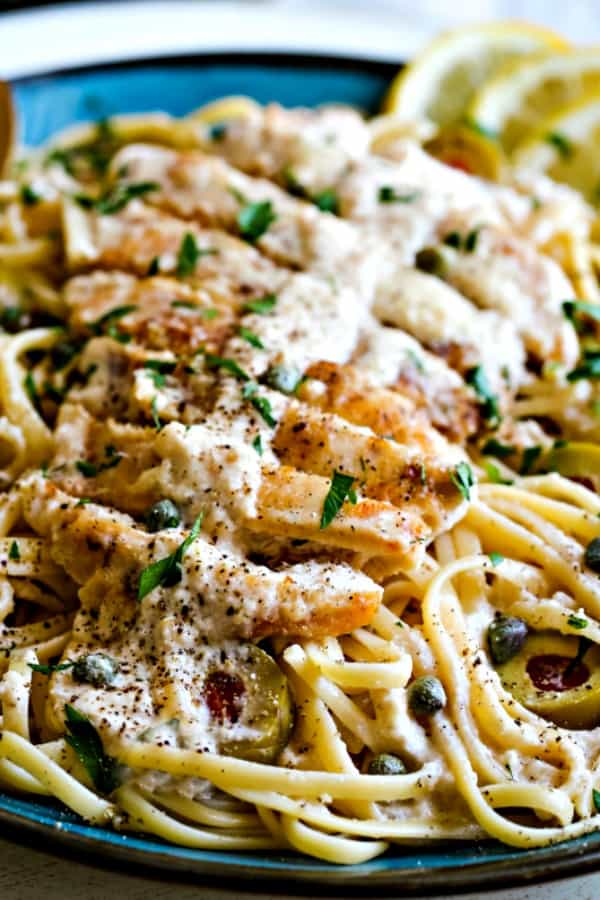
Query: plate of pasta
(299, 470)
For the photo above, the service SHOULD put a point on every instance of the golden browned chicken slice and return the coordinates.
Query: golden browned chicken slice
(311, 150)
(405, 414)
(404, 498)
(159, 313)
(504, 273)
(140, 238)
(209, 191)
(162, 637)
(293, 233)
(450, 326)
(225, 594)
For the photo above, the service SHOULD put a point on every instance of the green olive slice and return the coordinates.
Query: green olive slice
(548, 679)
(249, 700)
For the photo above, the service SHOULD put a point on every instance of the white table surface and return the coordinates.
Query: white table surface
(55, 37)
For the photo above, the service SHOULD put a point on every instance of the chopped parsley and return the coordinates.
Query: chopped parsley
(577, 622)
(48, 669)
(90, 470)
(495, 558)
(31, 391)
(116, 198)
(189, 254)
(388, 194)
(530, 457)
(86, 742)
(262, 405)
(224, 362)
(571, 308)
(91, 156)
(251, 338)
(477, 378)
(495, 448)
(262, 306)
(157, 369)
(462, 479)
(106, 324)
(83, 501)
(254, 219)
(589, 368)
(28, 196)
(327, 201)
(168, 571)
(596, 799)
(14, 553)
(494, 474)
(561, 143)
(453, 239)
(341, 489)
(468, 243)
(154, 267)
(257, 444)
(471, 240)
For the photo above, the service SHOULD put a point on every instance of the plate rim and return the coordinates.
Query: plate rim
(563, 860)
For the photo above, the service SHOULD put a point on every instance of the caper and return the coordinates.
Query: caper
(506, 636)
(386, 764)
(98, 669)
(283, 378)
(426, 695)
(163, 514)
(592, 555)
(431, 260)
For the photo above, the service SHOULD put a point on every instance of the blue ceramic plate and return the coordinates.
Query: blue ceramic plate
(47, 103)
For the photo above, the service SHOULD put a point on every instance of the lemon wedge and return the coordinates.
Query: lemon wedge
(514, 103)
(441, 81)
(565, 147)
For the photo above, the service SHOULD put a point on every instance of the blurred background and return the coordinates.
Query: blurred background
(37, 36)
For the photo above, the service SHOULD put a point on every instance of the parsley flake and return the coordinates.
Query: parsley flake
(262, 405)
(116, 198)
(596, 799)
(327, 201)
(262, 306)
(189, 254)
(577, 622)
(251, 338)
(488, 401)
(29, 197)
(48, 669)
(495, 558)
(257, 444)
(462, 479)
(339, 491)
(224, 362)
(561, 143)
(388, 194)
(167, 572)
(86, 742)
(254, 220)
(530, 457)
(14, 553)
